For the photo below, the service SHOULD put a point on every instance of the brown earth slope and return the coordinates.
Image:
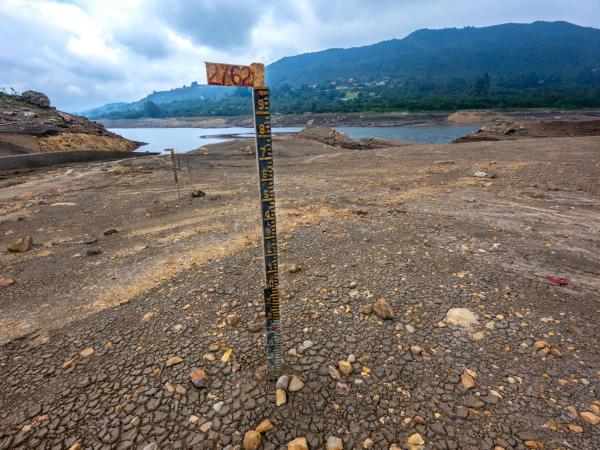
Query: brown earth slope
(28, 124)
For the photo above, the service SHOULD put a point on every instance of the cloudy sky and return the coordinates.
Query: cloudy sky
(85, 53)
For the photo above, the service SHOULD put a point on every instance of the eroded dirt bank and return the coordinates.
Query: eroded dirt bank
(120, 267)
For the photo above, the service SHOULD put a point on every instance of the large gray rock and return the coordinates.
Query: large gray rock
(36, 98)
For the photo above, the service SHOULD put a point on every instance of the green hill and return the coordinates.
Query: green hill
(543, 64)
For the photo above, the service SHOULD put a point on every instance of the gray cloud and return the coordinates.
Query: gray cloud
(84, 52)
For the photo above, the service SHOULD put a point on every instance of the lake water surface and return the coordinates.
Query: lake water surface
(186, 139)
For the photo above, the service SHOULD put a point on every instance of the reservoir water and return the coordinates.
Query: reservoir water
(186, 139)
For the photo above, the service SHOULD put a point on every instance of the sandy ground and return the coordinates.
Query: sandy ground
(409, 224)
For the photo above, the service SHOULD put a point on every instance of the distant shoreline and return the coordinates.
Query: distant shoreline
(391, 119)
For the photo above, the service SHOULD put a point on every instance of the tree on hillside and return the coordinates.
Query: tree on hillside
(151, 109)
(482, 84)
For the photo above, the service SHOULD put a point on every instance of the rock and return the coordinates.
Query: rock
(334, 443)
(251, 440)
(298, 444)
(294, 268)
(333, 373)
(383, 310)
(193, 419)
(415, 442)
(345, 367)
(541, 345)
(575, 428)
(181, 390)
(280, 397)
(264, 426)
(227, 355)
(198, 193)
(36, 98)
(590, 417)
(367, 310)
(480, 174)
(209, 357)
(110, 231)
(20, 245)
(93, 252)
(254, 327)
(461, 317)
(173, 360)
(282, 382)
(467, 379)
(368, 443)
(478, 336)
(218, 406)
(86, 352)
(76, 446)
(198, 378)
(351, 358)
(295, 384)
(232, 319)
(416, 349)
(533, 444)
(409, 329)
(205, 426)
(6, 281)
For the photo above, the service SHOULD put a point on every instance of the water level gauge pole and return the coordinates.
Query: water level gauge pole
(254, 76)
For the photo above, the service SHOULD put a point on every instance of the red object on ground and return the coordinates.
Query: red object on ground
(559, 281)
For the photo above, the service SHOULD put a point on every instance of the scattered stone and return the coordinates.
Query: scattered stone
(478, 336)
(541, 345)
(76, 446)
(294, 268)
(193, 419)
(383, 310)
(334, 443)
(6, 281)
(461, 317)
(20, 245)
(416, 349)
(251, 440)
(415, 442)
(233, 319)
(198, 378)
(333, 373)
(86, 352)
(227, 355)
(298, 444)
(575, 428)
(264, 426)
(367, 310)
(181, 390)
(36, 98)
(351, 358)
(198, 193)
(480, 174)
(280, 397)
(467, 379)
(295, 384)
(368, 443)
(209, 357)
(345, 367)
(395, 447)
(282, 382)
(409, 329)
(173, 360)
(205, 426)
(254, 327)
(590, 417)
(533, 444)
(110, 231)
(93, 252)
(218, 406)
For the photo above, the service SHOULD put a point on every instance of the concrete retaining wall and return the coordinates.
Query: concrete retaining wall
(34, 160)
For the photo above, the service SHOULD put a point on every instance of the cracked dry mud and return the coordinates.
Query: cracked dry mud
(97, 350)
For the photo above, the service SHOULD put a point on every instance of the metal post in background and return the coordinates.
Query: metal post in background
(174, 168)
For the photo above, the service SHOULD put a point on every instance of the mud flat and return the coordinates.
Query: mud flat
(121, 277)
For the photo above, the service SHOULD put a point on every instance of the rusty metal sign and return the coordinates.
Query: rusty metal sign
(231, 75)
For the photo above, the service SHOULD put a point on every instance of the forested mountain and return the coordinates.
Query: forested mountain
(543, 64)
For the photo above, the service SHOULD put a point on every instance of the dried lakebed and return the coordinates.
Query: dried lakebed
(99, 346)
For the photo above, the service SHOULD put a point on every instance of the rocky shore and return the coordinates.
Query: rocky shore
(28, 124)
